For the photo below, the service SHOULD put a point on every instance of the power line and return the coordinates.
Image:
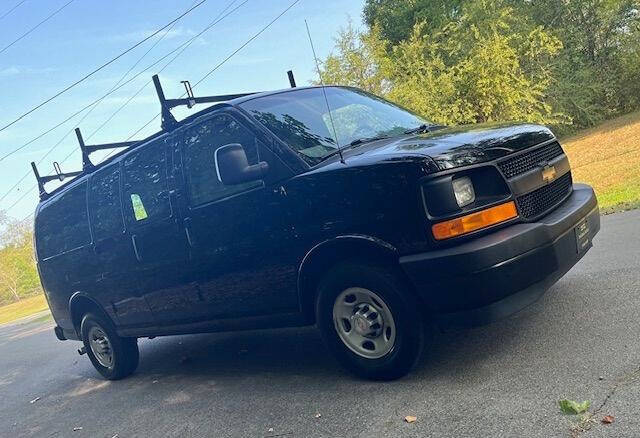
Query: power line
(11, 10)
(247, 42)
(186, 46)
(112, 60)
(188, 42)
(198, 82)
(28, 192)
(222, 15)
(50, 16)
(91, 110)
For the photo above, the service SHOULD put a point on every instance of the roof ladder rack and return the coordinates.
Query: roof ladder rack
(292, 80)
(168, 121)
(87, 165)
(42, 180)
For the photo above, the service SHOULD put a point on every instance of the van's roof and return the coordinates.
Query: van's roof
(117, 157)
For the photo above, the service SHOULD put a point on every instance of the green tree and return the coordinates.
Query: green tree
(396, 18)
(488, 64)
(353, 62)
(593, 73)
(18, 274)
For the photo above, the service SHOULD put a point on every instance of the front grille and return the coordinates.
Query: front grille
(542, 200)
(530, 160)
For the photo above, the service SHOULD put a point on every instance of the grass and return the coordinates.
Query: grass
(22, 308)
(607, 157)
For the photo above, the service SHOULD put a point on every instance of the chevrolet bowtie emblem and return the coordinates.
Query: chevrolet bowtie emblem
(548, 173)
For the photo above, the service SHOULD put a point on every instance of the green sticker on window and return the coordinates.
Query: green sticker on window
(138, 207)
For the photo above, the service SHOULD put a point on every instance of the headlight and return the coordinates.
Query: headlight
(463, 190)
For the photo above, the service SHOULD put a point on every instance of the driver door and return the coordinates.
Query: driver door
(238, 234)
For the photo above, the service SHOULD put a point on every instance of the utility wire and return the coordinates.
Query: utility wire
(181, 46)
(91, 110)
(246, 43)
(50, 16)
(222, 15)
(28, 192)
(209, 26)
(88, 75)
(256, 35)
(198, 82)
(11, 10)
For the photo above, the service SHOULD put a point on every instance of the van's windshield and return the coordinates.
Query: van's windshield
(300, 118)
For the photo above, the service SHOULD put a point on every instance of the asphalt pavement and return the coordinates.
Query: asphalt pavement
(580, 341)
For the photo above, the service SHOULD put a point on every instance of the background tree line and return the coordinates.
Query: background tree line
(565, 63)
(18, 275)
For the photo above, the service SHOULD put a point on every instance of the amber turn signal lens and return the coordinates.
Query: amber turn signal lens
(475, 221)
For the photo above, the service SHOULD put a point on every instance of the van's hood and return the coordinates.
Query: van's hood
(457, 146)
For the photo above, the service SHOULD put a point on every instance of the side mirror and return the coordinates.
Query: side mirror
(233, 167)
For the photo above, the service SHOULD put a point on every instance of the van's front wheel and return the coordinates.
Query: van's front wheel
(112, 356)
(369, 321)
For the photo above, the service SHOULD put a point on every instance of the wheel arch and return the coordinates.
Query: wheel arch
(329, 253)
(80, 304)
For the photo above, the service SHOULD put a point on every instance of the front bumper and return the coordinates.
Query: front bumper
(496, 275)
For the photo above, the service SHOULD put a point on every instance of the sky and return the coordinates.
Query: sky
(87, 33)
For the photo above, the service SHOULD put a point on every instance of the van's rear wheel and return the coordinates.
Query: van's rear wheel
(112, 356)
(370, 321)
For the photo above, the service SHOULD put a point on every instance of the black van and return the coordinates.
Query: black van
(269, 210)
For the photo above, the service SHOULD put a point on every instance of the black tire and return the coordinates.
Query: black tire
(124, 351)
(389, 285)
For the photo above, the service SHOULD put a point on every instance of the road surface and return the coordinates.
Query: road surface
(580, 341)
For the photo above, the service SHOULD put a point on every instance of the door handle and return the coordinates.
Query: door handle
(134, 242)
(187, 230)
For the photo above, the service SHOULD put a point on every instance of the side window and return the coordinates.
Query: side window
(104, 203)
(200, 144)
(63, 225)
(145, 185)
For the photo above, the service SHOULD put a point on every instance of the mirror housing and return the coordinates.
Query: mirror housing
(233, 167)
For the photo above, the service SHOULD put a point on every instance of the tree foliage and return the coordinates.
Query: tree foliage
(567, 63)
(18, 274)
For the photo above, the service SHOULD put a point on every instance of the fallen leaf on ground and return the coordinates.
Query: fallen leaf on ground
(34, 400)
(410, 419)
(608, 419)
(570, 407)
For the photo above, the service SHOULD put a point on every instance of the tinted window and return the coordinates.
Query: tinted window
(63, 224)
(300, 118)
(104, 202)
(201, 142)
(145, 184)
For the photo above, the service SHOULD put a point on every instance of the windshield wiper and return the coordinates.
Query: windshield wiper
(363, 140)
(422, 129)
(356, 142)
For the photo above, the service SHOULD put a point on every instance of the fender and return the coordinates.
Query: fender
(346, 246)
(84, 296)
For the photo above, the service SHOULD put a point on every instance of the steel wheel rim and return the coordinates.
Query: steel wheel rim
(364, 323)
(101, 346)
